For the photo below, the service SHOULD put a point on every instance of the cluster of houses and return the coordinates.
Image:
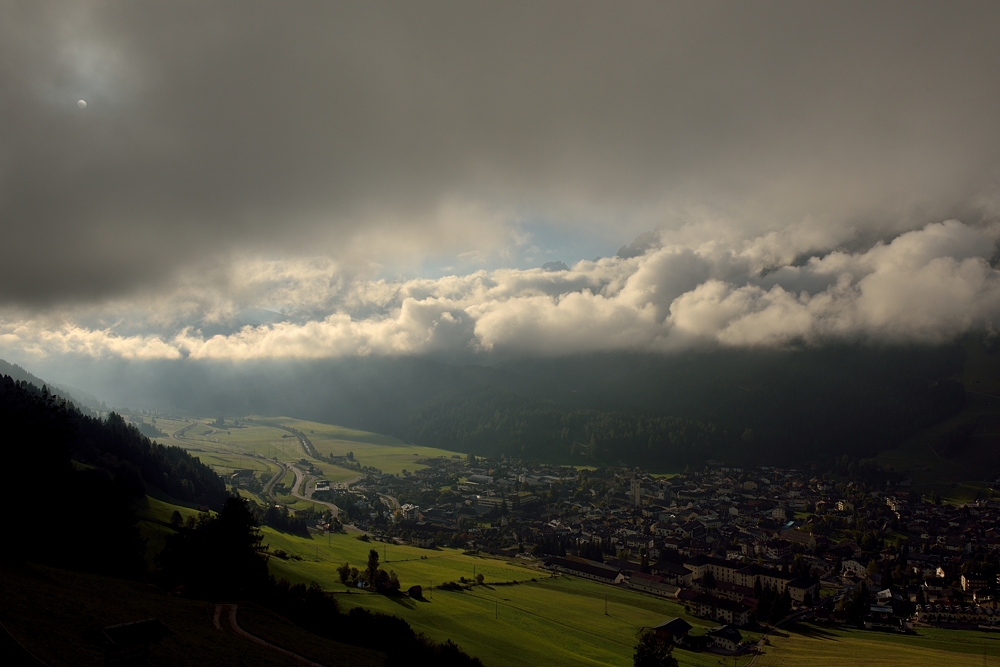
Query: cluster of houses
(710, 538)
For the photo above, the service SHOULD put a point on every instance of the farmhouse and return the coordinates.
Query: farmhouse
(726, 637)
(673, 629)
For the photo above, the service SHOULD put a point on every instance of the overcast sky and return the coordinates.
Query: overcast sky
(260, 179)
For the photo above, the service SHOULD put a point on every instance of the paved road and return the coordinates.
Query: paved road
(299, 477)
(280, 475)
(176, 435)
(234, 624)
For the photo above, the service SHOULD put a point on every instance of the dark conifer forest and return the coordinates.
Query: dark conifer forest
(753, 406)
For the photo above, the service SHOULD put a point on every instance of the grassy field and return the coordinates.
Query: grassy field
(370, 449)
(822, 646)
(293, 503)
(551, 621)
(335, 474)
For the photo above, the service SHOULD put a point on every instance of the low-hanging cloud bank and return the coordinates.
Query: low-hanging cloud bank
(923, 286)
(388, 132)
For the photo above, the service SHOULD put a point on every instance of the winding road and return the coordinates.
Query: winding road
(283, 468)
(299, 477)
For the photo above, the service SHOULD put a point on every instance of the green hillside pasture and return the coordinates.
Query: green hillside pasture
(260, 439)
(332, 432)
(389, 459)
(293, 503)
(370, 449)
(226, 463)
(201, 431)
(322, 555)
(267, 441)
(520, 625)
(553, 621)
(168, 426)
(41, 604)
(154, 522)
(822, 646)
(335, 474)
(160, 511)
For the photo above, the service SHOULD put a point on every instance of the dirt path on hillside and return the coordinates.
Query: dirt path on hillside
(234, 624)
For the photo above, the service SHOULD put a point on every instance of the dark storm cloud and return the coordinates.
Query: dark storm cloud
(218, 128)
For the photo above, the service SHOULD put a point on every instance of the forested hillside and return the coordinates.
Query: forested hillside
(492, 421)
(750, 405)
(52, 428)
(81, 399)
(760, 407)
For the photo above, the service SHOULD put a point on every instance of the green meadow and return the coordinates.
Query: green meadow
(370, 449)
(822, 646)
(541, 619)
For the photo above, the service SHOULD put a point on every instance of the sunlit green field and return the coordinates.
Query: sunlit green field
(335, 474)
(370, 449)
(231, 448)
(168, 426)
(551, 621)
(806, 644)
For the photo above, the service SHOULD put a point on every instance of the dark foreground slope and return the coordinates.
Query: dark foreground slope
(83, 518)
(72, 481)
(58, 616)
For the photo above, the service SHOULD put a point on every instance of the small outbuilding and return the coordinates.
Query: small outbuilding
(673, 629)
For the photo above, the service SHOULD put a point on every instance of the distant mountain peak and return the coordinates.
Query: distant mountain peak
(554, 266)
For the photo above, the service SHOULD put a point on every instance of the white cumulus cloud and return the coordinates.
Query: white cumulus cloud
(926, 286)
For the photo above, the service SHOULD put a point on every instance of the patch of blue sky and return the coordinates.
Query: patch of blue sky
(534, 243)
